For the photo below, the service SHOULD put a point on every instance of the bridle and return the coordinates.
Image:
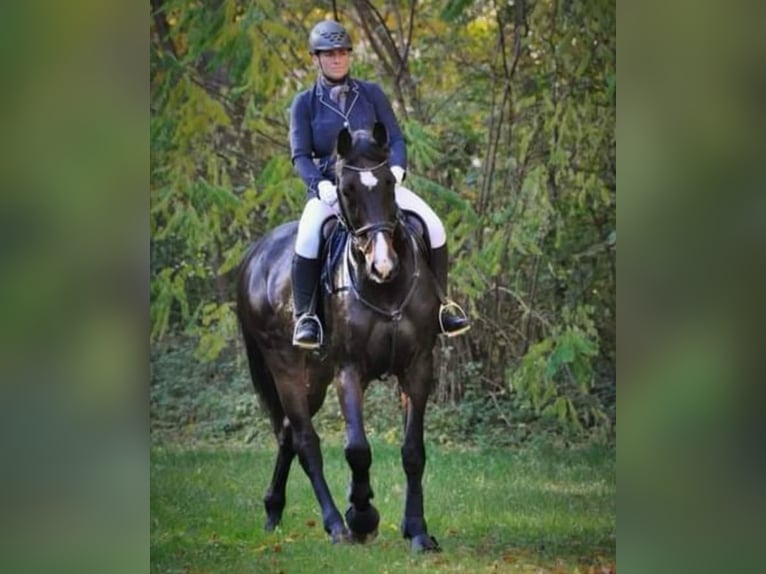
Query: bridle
(370, 228)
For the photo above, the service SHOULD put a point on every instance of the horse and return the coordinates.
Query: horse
(379, 320)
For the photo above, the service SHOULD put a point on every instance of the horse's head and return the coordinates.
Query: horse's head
(366, 196)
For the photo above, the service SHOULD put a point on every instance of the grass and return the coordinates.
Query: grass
(541, 510)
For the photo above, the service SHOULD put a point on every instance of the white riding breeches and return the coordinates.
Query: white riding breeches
(409, 201)
(317, 211)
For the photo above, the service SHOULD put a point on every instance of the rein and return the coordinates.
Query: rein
(396, 314)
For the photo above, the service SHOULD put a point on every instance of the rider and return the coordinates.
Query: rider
(318, 114)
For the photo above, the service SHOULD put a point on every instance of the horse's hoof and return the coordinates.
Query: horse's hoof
(357, 538)
(424, 543)
(272, 523)
(363, 523)
(340, 536)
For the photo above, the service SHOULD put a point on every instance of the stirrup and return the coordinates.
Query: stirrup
(450, 304)
(299, 322)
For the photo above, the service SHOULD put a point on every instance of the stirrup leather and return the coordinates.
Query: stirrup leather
(450, 304)
(299, 322)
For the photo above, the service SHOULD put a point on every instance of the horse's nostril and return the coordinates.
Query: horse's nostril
(381, 270)
(384, 270)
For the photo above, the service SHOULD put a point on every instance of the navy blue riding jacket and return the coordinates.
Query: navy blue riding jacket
(316, 121)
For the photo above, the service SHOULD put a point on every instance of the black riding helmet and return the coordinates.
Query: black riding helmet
(328, 35)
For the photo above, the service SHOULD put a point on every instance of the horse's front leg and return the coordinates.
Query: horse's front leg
(416, 385)
(362, 517)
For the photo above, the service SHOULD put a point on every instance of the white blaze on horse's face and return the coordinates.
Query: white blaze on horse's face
(380, 263)
(368, 178)
(381, 259)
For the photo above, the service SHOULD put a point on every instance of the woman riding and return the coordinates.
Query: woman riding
(317, 116)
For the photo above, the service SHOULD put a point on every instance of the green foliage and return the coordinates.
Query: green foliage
(215, 181)
(166, 288)
(218, 326)
(454, 9)
(196, 401)
(556, 377)
(422, 148)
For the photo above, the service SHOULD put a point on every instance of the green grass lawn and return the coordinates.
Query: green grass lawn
(536, 510)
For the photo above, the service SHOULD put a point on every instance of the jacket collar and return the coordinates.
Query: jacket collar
(320, 91)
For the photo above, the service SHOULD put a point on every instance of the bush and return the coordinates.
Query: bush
(214, 402)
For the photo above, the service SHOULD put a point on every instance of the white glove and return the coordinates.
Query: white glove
(398, 173)
(328, 192)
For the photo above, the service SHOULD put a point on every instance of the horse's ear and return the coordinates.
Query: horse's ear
(380, 134)
(344, 142)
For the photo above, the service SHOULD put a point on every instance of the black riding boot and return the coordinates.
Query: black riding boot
(308, 329)
(452, 319)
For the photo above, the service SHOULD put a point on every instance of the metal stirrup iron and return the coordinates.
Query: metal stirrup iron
(299, 322)
(450, 304)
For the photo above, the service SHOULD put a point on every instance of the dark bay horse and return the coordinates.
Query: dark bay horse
(380, 319)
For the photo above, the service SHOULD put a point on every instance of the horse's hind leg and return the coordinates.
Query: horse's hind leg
(265, 387)
(275, 498)
(306, 445)
(362, 517)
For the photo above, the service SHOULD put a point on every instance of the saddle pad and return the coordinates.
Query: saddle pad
(332, 252)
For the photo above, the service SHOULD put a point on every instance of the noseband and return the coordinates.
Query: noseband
(384, 226)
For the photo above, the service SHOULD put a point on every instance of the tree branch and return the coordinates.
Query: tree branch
(405, 58)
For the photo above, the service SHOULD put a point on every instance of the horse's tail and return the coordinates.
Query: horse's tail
(263, 381)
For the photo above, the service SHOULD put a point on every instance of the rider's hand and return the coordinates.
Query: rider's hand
(328, 192)
(398, 173)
